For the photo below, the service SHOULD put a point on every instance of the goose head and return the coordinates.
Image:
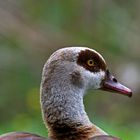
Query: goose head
(67, 75)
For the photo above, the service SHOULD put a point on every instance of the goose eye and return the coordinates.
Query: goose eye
(90, 63)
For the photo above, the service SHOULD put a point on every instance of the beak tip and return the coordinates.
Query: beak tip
(130, 94)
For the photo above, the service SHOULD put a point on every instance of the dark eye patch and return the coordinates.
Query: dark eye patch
(86, 55)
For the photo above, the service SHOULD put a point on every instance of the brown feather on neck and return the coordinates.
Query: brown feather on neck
(64, 131)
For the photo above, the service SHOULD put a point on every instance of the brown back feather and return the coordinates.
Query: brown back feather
(21, 136)
(104, 137)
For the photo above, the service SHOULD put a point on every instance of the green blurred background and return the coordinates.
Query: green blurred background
(30, 30)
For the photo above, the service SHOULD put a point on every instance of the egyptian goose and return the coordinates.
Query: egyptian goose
(67, 75)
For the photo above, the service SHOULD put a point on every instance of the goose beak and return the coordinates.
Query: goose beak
(112, 85)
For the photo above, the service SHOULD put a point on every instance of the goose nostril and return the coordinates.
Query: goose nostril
(115, 80)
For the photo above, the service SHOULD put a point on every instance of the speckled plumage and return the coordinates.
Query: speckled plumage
(61, 98)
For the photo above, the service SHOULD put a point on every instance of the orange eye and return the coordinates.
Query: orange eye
(90, 63)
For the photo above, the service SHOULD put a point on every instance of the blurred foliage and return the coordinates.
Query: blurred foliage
(31, 30)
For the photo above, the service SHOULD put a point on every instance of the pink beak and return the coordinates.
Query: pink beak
(112, 85)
